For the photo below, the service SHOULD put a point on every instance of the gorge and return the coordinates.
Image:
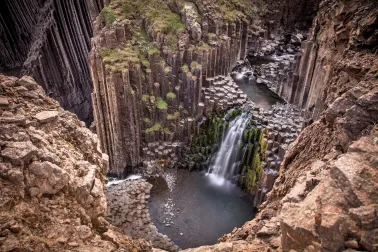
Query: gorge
(158, 125)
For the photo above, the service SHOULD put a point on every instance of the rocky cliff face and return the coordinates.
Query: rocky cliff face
(52, 177)
(149, 72)
(325, 198)
(50, 41)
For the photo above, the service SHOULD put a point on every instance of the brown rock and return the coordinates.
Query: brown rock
(15, 228)
(4, 102)
(73, 244)
(47, 177)
(369, 240)
(84, 231)
(62, 240)
(353, 244)
(46, 116)
(11, 244)
(18, 120)
(19, 152)
(27, 82)
(365, 216)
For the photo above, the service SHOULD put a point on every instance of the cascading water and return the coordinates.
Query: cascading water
(225, 161)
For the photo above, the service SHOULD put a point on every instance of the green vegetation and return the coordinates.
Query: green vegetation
(109, 15)
(144, 45)
(156, 127)
(173, 116)
(161, 104)
(167, 131)
(119, 59)
(171, 41)
(232, 10)
(195, 66)
(160, 18)
(204, 47)
(185, 68)
(171, 96)
(153, 51)
(256, 152)
(147, 120)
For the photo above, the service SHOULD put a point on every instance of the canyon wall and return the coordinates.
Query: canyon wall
(325, 197)
(149, 79)
(50, 40)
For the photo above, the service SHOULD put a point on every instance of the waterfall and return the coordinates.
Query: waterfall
(225, 162)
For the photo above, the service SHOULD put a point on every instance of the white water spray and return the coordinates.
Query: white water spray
(224, 164)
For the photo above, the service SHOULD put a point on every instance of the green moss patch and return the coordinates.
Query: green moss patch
(161, 104)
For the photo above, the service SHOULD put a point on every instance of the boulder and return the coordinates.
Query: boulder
(369, 240)
(365, 216)
(28, 82)
(4, 102)
(19, 152)
(47, 177)
(46, 116)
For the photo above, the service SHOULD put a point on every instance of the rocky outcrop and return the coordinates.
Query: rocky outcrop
(50, 41)
(52, 177)
(128, 210)
(152, 91)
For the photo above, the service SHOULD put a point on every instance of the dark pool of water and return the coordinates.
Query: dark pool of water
(206, 211)
(260, 94)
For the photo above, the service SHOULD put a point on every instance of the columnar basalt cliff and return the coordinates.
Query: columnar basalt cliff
(158, 67)
(50, 40)
(149, 72)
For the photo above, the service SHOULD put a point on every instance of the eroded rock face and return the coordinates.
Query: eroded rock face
(52, 177)
(50, 41)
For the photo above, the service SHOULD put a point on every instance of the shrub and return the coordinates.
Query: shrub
(195, 65)
(185, 68)
(156, 127)
(173, 116)
(109, 15)
(145, 98)
(171, 96)
(161, 104)
(152, 51)
(147, 120)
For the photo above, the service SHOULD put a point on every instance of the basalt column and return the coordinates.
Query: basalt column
(148, 82)
(50, 40)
